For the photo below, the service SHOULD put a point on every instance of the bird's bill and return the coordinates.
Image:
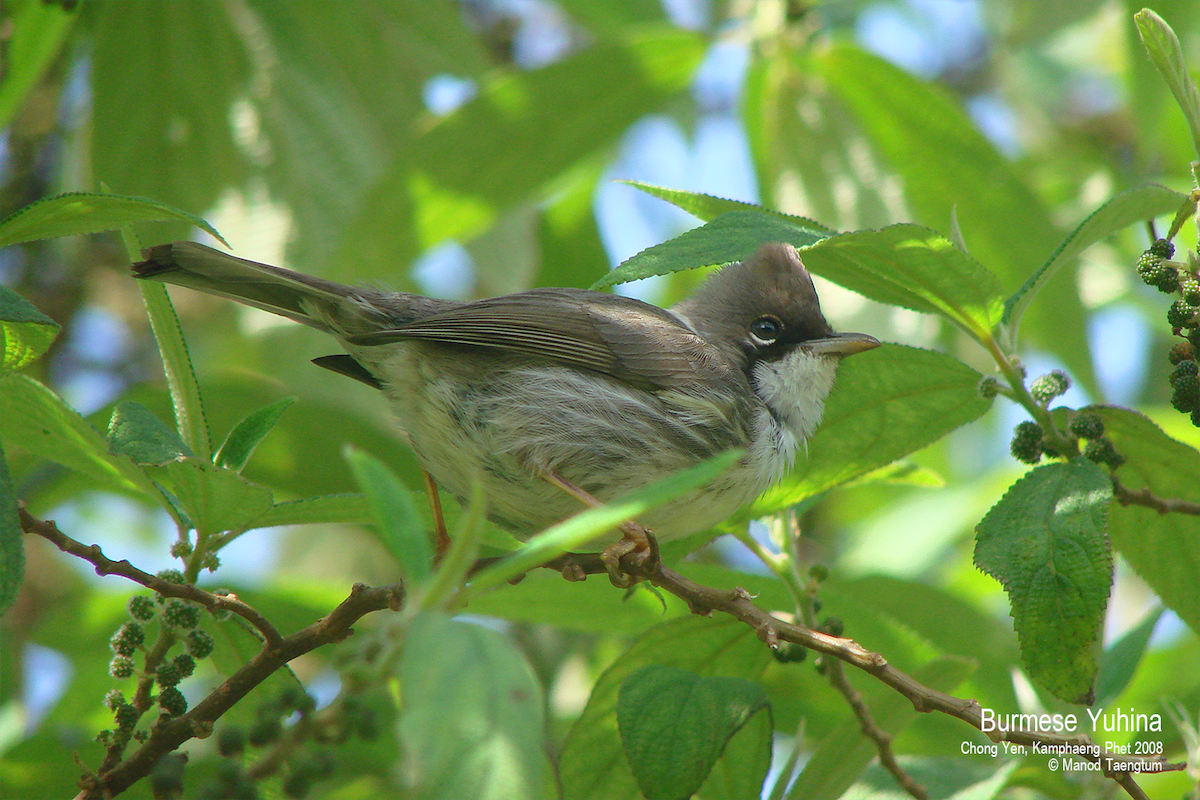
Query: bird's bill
(841, 344)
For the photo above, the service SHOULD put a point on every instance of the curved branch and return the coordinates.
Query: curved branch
(185, 591)
(1142, 497)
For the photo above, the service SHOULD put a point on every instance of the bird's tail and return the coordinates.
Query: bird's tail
(312, 301)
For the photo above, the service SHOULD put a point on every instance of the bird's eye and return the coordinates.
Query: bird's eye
(765, 330)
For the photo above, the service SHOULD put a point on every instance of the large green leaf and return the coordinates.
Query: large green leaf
(521, 131)
(88, 212)
(25, 332)
(324, 509)
(471, 723)
(397, 520)
(844, 753)
(134, 431)
(1046, 542)
(593, 763)
(914, 267)
(1127, 208)
(885, 404)
(730, 237)
(39, 422)
(707, 207)
(1164, 549)
(216, 499)
(1163, 47)
(675, 724)
(251, 429)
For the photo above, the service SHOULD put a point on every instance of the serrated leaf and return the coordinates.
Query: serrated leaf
(1169, 469)
(674, 725)
(398, 523)
(214, 498)
(471, 723)
(913, 267)
(731, 237)
(1046, 542)
(251, 429)
(842, 755)
(886, 403)
(12, 538)
(39, 422)
(707, 207)
(1127, 208)
(593, 763)
(25, 331)
(1121, 658)
(313, 510)
(89, 212)
(136, 433)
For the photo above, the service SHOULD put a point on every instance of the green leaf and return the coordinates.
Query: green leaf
(36, 33)
(944, 778)
(1121, 658)
(244, 437)
(88, 212)
(588, 525)
(521, 132)
(214, 498)
(472, 721)
(1169, 469)
(1046, 542)
(731, 237)
(886, 403)
(186, 400)
(135, 432)
(844, 753)
(39, 422)
(707, 207)
(397, 521)
(674, 725)
(913, 267)
(25, 332)
(1127, 208)
(593, 762)
(314, 510)
(1162, 45)
(12, 539)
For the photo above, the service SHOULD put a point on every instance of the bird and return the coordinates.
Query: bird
(556, 397)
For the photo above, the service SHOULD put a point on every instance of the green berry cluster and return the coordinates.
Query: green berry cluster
(1156, 269)
(1028, 444)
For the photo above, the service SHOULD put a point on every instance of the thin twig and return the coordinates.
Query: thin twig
(106, 566)
(1143, 497)
(881, 738)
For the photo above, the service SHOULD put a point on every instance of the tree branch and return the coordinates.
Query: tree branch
(185, 591)
(1142, 497)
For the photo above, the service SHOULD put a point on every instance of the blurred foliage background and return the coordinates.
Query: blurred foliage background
(470, 148)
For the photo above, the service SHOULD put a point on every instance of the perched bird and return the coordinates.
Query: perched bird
(554, 396)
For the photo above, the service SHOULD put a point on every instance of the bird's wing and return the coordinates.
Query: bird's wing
(627, 339)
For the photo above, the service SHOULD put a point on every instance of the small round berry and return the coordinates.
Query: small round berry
(264, 731)
(1026, 443)
(104, 737)
(140, 735)
(1183, 370)
(833, 626)
(1186, 397)
(167, 674)
(1048, 387)
(819, 573)
(789, 653)
(179, 614)
(988, 387)
(1182, 351)
(1087, 426)
(210, 562)
(126, 716)
(121, 667)
(181, 549)
(166, 779)
(1195, 418)
(1189, 289)
(172, 702)
(1180, 314)
(169, 576)
(1101, 451)
(142, 608)
(127, 639)
(1147, 266)
(185, 664)
(199, 643)
(114, 698)
(231, 741)
(1162, 248)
